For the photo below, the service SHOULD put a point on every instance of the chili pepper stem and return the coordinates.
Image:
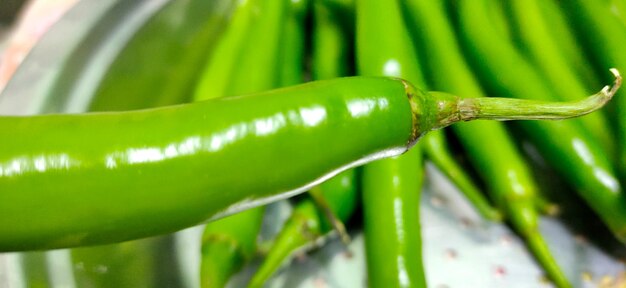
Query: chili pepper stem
(452, 109)
(323, 205)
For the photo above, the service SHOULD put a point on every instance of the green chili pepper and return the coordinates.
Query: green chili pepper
(227, 245)
(148, 262)
(254, 58)
(545, 53)
(436, 150)
(569, 43)
(564, 144)
(338, 196)
(214, 79)
(393, 246)
(293, 44)
(509, 182)
(308, 222)
(596, 24)
(206, 160)
(262, 42)
(331, 54)
(391, 187)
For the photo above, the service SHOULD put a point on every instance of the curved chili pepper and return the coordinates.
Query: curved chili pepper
(230, 243)
(509, 182)
(176, 133)
(564, 144)
(544, 51)
(595, 24)
(214, 151)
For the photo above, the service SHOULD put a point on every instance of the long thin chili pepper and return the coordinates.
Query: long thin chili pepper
(596, 24)
(214, 79)
(509, 182)
(433, 144)
(391, 187)
(569, 43)
(291, 64)
(308, 222)
(563, 144)
(206, 160)
(544, 51)
(230, 243)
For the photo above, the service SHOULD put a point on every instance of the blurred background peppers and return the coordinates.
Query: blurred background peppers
(192, 50)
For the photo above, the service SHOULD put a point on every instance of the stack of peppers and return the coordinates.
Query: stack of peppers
(468, 48)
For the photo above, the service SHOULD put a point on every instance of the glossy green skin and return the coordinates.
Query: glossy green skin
(543, 50)
(249, 73)
(391, 187)
(509, 182)
(391, 191)
(307, 222)
(564, 144)
(603, 34)
(261, 50)
(170, 168)
(229, 243)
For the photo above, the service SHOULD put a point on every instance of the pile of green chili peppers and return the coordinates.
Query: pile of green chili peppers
(352, 148)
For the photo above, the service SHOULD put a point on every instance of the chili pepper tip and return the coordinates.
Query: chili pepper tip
(616, 84)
